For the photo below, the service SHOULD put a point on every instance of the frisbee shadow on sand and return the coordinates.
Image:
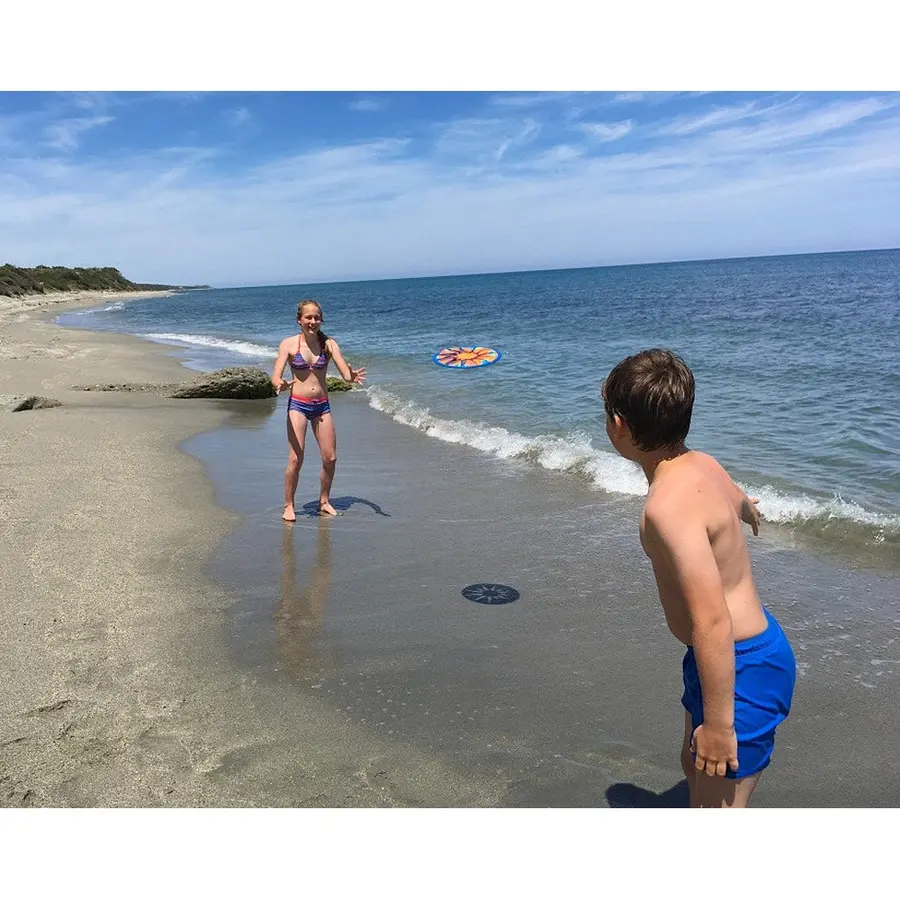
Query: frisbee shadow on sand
(342, 504)
(490, 593)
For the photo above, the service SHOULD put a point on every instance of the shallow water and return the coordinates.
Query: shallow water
(567, 690)
(795, 359)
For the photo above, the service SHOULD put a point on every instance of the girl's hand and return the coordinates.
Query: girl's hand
(357, 376)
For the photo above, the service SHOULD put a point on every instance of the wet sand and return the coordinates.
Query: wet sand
(172, 643)
(116, 689)
(570, 694)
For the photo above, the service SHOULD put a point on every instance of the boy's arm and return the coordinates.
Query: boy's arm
(679, 543)
(748, 507)
(750, 511)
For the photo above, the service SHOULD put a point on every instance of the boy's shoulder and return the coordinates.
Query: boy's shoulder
(688, 491)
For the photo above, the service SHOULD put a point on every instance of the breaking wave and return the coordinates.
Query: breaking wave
(242, 348)
(575, 454)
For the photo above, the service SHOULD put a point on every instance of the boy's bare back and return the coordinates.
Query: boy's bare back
(693, 514)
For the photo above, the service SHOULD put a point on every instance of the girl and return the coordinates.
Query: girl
(308, 355)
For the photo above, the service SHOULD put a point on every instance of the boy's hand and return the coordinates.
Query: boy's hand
(750, 513)
(715, 749)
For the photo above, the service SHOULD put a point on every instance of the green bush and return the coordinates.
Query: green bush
(15, 281)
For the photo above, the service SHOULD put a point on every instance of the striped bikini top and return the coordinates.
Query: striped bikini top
(300, 364)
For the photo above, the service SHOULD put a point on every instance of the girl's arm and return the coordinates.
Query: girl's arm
(278, 381)
(348, 373)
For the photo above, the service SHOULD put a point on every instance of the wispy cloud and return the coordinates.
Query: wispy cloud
(806, 125)
(477, 140)
(606, 131)
(721, 115)
(239, 116)
(66, 135)
(526, 133)
(93, 101)
(650, 97)
(368, 104)
(529, 100)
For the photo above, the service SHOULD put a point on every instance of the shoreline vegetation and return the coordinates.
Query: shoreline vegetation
(18, 282)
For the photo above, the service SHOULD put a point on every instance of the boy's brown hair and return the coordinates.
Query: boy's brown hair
(653, 391)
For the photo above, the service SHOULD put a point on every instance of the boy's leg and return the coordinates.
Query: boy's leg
(687, 758)
(711, 790)
(716, 792)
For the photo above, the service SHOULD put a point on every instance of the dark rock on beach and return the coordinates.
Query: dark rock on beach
(18, 403)
(237, 383)
(138, 387)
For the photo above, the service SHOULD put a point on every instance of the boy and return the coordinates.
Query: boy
(739, 669)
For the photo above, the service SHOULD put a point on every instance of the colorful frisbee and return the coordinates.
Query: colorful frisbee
(466, 357)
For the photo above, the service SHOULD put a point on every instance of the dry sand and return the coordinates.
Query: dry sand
(21, 308)
(116, 691)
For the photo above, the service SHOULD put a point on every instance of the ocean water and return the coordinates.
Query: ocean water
(797, 361)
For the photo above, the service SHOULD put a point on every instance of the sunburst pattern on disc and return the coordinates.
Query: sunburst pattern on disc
(466, 357)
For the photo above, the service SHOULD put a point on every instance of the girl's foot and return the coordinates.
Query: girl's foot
(289, 514)
(326, 508)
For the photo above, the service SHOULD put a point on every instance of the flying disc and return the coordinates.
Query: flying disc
(466, 357)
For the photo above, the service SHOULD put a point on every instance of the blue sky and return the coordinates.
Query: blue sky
(264, 188)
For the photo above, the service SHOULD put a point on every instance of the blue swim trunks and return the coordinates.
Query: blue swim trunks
(764, 676)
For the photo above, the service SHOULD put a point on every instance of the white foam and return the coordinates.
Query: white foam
(608, 471)
(242, 348)
(777, 506)
(113, 307)
(573, 453)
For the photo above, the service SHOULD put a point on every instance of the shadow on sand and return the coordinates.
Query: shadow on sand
(343, 504)
(629, 796)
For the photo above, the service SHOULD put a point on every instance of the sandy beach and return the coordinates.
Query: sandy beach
(114, 694)
(171, 643)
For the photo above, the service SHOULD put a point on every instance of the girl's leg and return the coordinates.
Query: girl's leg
(296, 433)
(323, 429)
(687, 758)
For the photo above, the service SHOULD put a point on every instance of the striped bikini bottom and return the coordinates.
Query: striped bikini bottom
(311, 407)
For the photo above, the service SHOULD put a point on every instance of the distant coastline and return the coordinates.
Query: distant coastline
(18, 282)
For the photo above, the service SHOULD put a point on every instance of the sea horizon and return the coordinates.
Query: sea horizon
(656, 262)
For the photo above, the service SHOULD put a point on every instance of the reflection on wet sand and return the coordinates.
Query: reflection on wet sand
(249, 413)
(300, 610)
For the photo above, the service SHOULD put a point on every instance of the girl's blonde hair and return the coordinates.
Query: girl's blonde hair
(323, 338)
